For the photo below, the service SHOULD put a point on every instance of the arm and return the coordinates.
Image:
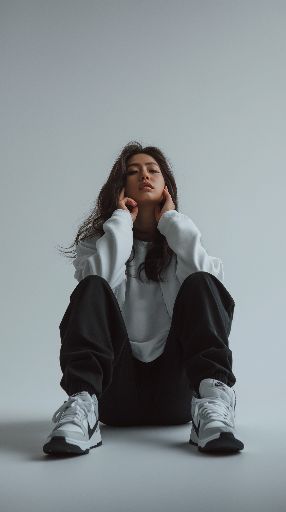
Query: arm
(184, 238)
(106, 255)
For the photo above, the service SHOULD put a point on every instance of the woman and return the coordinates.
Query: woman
(151, 350)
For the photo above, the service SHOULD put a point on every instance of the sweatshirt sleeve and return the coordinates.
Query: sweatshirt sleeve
(106, 255)
(184, 238)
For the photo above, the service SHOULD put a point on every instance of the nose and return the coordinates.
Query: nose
(145, 176)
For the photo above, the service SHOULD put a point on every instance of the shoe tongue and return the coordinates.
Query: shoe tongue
(214, 388)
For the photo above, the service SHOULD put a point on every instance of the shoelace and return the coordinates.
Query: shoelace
(213, 409)
(73, 413)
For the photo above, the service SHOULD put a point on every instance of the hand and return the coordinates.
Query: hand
(168, 204)
(132, 205)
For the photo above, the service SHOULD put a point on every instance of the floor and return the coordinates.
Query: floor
(144, 468)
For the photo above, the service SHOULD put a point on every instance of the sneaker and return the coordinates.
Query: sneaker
(212, 416)
(77, 429)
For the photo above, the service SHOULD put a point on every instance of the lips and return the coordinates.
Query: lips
(146, 185)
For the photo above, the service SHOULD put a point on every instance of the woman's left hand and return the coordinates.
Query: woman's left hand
(168, 204)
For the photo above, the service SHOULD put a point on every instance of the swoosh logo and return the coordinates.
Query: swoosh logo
(197, 428)
(92, 430)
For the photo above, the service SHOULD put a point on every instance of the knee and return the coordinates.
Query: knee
(95, 280)
(90, 280)
(196, 276)
(209, 279)
(195, 280)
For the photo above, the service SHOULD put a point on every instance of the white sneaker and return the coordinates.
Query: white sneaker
(77, 429)
(213, 418)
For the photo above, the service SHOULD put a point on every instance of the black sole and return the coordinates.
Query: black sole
(226, 442)
(59, 446)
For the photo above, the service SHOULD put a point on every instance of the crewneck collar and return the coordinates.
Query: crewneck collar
(143, 242)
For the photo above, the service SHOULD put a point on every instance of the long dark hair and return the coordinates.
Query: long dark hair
(159, 254)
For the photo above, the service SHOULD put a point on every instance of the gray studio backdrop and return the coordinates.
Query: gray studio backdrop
(205, 81)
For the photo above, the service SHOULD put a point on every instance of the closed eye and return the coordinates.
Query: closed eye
(152, 170)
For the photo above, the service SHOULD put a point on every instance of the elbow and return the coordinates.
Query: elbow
(220, 270)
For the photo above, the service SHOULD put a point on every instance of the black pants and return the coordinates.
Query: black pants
(96, 355)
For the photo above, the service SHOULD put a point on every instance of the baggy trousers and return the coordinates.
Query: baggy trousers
(96, 355)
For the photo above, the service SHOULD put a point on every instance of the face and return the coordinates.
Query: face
(144, 168)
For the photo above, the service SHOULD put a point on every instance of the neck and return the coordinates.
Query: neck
(145, 225)
(147, 237)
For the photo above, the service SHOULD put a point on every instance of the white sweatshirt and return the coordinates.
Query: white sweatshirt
(147, 307)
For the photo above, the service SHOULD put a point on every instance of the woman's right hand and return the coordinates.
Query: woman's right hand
(123, 202)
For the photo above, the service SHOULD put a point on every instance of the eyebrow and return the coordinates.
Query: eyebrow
(147, 163)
